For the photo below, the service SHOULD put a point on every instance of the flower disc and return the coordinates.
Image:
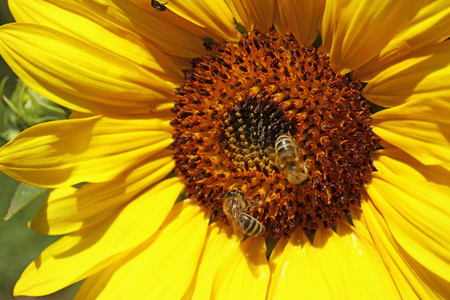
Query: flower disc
(234, 106)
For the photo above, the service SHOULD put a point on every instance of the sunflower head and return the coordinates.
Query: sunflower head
(269, 117)
(271, 136)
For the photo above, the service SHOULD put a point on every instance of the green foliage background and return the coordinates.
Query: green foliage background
(19, 246)
(5, 17)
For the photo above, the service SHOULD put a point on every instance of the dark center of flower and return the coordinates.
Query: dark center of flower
(266, 123)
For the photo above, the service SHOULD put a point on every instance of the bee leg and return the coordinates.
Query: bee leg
(260, 202)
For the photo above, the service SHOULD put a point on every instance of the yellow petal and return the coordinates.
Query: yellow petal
(280, 21)
(423, 74)
(79, 255)
(168, 15)
(254, 14)
(220, 242)
(240, 14)
(89, 77)
(355, 31)
(69, 209)
(291, 275)
(244, 274)
(398, 162)
(161, 268)
(210, 14)
(429, 26)
(337, 266)
(303, 18)
(358, 220)
(420, 128)
(80, 21)
(91, 21)
(63, 153)
(415, 212)
(413, 280)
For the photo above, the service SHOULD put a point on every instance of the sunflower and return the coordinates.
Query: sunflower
(319, 129)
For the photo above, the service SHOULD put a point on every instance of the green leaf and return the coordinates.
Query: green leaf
(23, 196)
(26, 108)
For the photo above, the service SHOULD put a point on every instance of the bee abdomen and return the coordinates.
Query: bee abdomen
(251, 226)
(284, 147)
(283, 142)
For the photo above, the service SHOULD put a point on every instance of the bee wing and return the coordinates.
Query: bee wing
(237, 228)
(236, 223)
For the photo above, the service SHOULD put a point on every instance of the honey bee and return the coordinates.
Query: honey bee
(235, 208)
(287, 159)
(159, 6)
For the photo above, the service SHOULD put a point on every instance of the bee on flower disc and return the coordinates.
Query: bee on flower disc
(287, 159)
(235, 208)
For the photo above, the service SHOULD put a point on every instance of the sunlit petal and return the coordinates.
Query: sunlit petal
(69, 209)
(429, 26)
(87, 252)
(405, 203)
(254, 14)
(421, 128)
(422, 75)
(63, 153)
(210, 14)
(355, 31)
(87, 77)
(219, 244)
(413, 280)
(91, 22)
(398, 162)
(246, 267)
(167, 261)
(303, 18)
(330, 268)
